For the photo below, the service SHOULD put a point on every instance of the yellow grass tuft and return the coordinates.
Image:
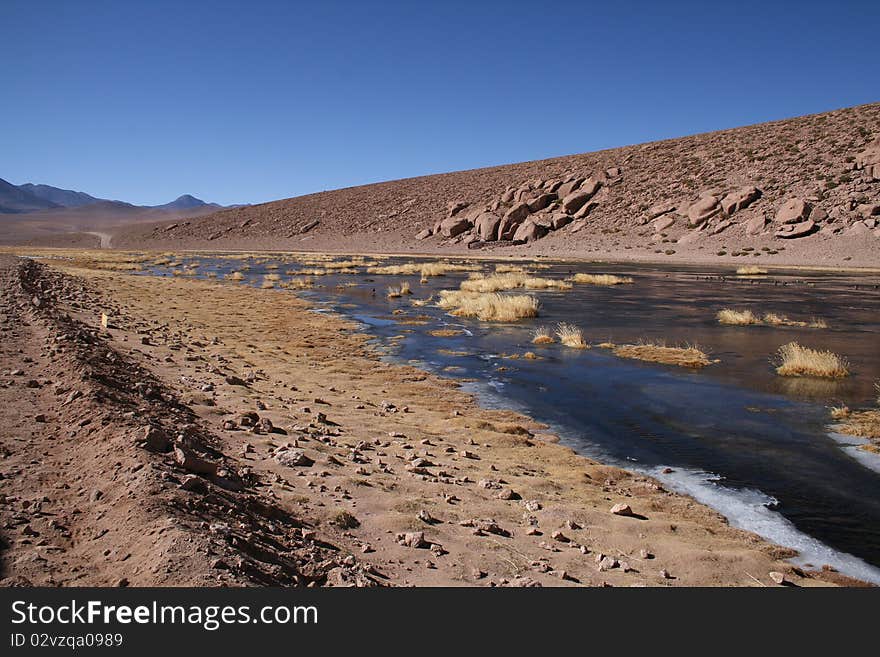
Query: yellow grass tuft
(542, 335)
(235, 276)
(422, 302)
(737, 317)
(656, 352)
(748, 318)
(445, 333)
(399, 290)
(751, 270)
(571, 336)
(272, 277)
(511, 281)
(600, 279)
(795, 360)
(489, 307)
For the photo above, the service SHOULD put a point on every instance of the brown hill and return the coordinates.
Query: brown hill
(85, 225)
(798, 191)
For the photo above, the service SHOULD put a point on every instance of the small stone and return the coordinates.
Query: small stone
(778, 577)
(621, 509)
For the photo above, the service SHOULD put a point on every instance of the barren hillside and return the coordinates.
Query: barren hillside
(798, 191)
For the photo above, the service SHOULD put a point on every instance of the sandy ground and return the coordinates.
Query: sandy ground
(405, 480)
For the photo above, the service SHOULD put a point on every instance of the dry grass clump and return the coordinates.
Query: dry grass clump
(864, 424)
(299, 283)
(425, 269)
(737, 317)
(445, 333)
(395, 292)
(508, 269)
(751, 270)
(313, 271)
(748, 318)
(600, 279)
(571, 336)
(795, 360)
(272, 277)
(773, 319)
(488, 307)
(657, 352)
(267, 285)
(542, 335)
(422, 302)
(235, 276)
(511, 281)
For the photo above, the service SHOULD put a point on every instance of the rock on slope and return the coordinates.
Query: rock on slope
(772, 182)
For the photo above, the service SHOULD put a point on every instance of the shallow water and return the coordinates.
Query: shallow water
(754, 445)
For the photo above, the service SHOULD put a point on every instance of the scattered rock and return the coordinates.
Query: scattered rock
(793, 211)
(622, 509)
(292, 457)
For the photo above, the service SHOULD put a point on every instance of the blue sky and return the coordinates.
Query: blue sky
(253, 101)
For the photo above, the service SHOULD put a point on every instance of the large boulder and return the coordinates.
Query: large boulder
(529, 231)
(590, 186)
(793, 211)
(575, 201)
(756, 226)
(586, 209)
(559, 220)
(541, 202)
(739, 199)
(703, 210)
(660, 209)
(568, 187)
(512, 219)
(868, 209)
(454, 207)
(791, 231)
(454, 226)
(486, 226)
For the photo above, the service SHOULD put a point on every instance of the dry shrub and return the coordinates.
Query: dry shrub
(399, 290)
(571, 336)
(492, 307)
(748, 318)
(796, 360)
(737, 317)
(542, 335)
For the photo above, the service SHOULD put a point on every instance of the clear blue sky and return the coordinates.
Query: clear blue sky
(254, 101)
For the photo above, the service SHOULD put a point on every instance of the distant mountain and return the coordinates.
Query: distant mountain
(15, 200)
(30, 197)
(185, 202)
(63, 197)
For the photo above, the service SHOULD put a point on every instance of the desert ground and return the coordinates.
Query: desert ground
(173, 432)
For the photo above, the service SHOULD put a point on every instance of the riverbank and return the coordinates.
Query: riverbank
(401, 472)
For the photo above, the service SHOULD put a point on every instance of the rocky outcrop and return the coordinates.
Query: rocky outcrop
(703, 210)
(575, 201)
(529, 231)
(454, 226)
(740, 199)
(486, 226)
(512, 219)
(543, 201)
